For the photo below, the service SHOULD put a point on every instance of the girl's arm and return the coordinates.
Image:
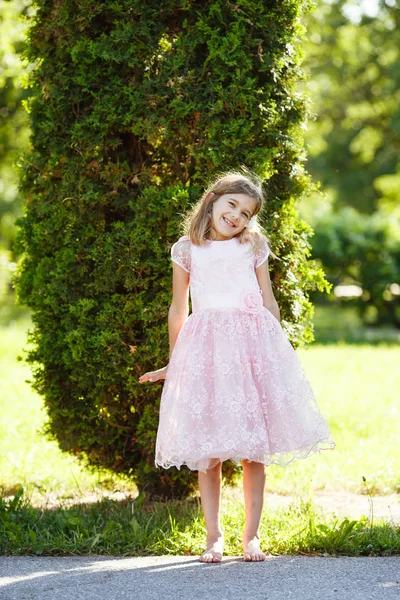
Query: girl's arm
(264, 282)
(179, 309)
(177, 315)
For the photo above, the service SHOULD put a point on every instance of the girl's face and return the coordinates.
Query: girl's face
(230, 215)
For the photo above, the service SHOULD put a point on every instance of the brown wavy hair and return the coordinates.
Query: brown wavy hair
(197, 223)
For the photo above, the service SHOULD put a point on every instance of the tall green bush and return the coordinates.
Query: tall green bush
(135, 106)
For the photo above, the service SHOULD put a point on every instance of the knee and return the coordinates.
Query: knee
(252, 465)
(215, 472)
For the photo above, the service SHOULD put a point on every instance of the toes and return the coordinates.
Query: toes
(217, 557)
(211, 557)
(250, 556)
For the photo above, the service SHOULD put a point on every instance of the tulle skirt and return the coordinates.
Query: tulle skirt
(235, 389)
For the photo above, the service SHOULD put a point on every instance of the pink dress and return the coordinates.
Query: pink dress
(235, 388)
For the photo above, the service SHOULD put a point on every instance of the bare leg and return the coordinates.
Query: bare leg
(210, 493)
(253, 488)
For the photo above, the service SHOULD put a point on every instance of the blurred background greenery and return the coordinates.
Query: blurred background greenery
(352, 59)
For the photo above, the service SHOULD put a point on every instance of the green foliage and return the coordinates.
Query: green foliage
(135, 105)
(14, 132)
(14, 128)
(354, 68)
(363, 250)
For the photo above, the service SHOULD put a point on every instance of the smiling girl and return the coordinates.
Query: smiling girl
(234, 386)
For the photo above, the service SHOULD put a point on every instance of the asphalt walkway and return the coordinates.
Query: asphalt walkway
(185, 578)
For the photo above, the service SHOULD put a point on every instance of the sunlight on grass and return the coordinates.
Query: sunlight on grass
(26, 457)
(177, 528)
(356, 388)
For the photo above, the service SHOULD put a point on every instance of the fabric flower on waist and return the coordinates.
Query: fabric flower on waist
(251, 301)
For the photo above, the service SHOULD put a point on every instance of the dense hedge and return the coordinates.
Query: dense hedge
(135, 106)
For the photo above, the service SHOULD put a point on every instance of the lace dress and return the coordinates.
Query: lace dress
(235, 388)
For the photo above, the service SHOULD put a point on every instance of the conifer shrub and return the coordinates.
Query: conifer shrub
(135, 106)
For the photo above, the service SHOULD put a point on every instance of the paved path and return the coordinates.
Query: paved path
(185, 578)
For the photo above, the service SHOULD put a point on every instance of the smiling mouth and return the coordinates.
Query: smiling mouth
(232, 225)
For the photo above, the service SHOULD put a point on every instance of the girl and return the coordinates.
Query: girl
(234, 387)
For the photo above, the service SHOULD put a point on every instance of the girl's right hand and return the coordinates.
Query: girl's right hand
(154, 375)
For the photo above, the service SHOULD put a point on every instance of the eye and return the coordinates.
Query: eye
(231, 203)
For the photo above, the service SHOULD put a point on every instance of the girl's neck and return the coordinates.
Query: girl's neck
(215, 239)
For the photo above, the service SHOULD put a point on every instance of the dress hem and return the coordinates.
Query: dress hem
(200, 464)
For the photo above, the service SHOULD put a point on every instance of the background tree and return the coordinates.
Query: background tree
(354, 143)
(363, 250)
(14, 138)
(353, 61)
(135, 105)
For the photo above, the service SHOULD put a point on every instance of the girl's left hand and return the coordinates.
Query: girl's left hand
(154, 375)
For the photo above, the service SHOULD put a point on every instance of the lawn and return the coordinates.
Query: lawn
(26, 457)
(356, 388)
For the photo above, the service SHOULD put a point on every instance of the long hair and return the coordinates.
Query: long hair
(197, 224)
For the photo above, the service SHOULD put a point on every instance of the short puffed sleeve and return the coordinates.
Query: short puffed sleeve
(262, 252)
(180, 252)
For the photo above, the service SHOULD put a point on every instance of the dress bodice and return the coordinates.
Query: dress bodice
(222, 273)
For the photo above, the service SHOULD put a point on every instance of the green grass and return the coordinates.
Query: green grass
(26, 458)
(356, 388)
(135, 529)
